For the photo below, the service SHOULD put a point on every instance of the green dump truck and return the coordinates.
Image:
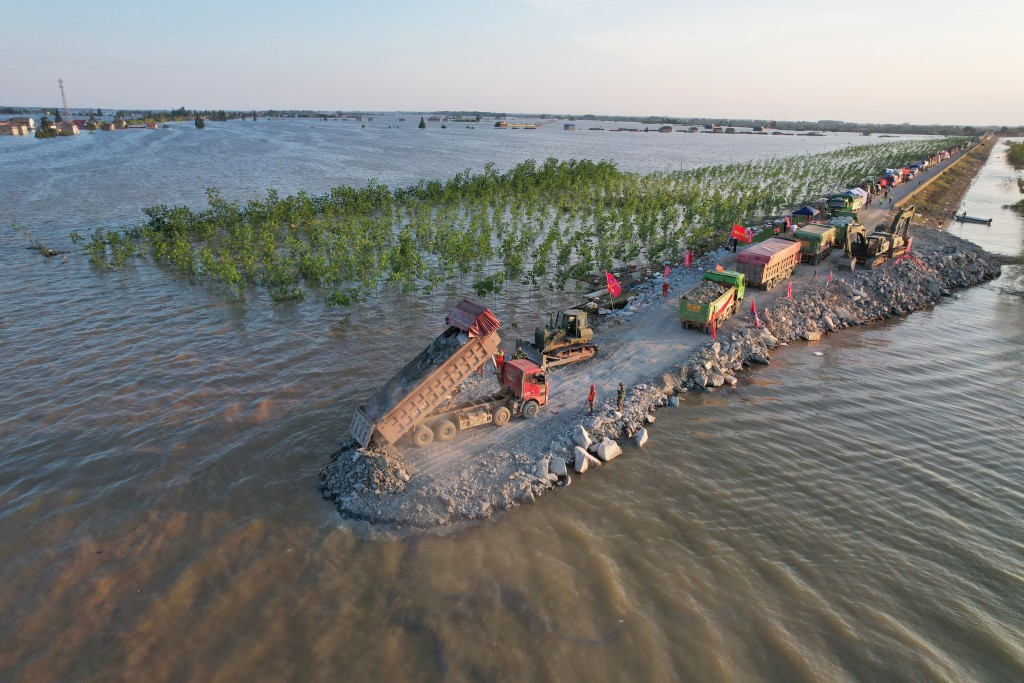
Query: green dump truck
(846, 201)
(816, 241)
(713, 300)
(844, 225)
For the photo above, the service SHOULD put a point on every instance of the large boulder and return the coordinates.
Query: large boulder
(640, 437)
(608, 450)
(580, 437)
(582, 461)
(558, 467)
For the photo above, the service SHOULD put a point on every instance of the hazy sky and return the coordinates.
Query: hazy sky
(940, 61)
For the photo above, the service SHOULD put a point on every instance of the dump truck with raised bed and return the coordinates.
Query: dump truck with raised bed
(419, 399)
(886, 242)
(713, 300)
(568, 339)
(768, 263)
(816, 242)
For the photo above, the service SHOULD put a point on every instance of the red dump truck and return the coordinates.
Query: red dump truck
(768, 263)
(418, 400)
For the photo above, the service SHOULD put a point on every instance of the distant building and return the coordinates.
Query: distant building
(730, 129)
(25, 121)
(568, 126)
(665, 129)
(67, 128)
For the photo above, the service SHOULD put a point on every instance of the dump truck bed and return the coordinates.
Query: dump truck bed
(426, 381)
(769, 261)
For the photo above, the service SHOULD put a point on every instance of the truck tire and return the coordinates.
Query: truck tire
(530, 409)
(422, 436)
(501, 416)
(445, 430)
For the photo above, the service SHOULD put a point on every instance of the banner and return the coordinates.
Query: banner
(789, 291)
(739, 233)
(614, 288)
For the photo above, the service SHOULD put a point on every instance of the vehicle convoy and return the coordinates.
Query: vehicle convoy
(419, 399)
(568, 339)
(713, 300)
(768, 263)
(816, 241)
(886, 242)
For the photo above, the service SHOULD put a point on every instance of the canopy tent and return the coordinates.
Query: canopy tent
(860, 191)
(806, 211)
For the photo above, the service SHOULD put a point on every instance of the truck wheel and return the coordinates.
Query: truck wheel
(422, 436)
(501, 416)
(445, 430)
(530, 409)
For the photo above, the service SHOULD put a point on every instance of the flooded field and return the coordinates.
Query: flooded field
(854, 515)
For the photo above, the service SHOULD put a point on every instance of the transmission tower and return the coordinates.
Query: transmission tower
(63, 96)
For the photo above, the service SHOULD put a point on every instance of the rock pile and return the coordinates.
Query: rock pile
(896, 289)
(380, 471)
(705, 292)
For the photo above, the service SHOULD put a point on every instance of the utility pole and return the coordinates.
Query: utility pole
(64, 97)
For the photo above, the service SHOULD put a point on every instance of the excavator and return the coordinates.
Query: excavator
(886, 242)
(568, 339)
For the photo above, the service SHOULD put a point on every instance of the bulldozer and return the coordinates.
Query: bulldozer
(567, 339)
(886, 242)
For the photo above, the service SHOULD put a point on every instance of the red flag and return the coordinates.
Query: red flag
(753, 311)
(829, 277)
(614, 288)
(739, 232)
(666, 272)
(910, 242)
(714, 330)
(789, 291)
(688, 261)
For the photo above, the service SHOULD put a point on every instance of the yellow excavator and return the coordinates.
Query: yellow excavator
(886, 242)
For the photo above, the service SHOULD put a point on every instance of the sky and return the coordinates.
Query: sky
(937, 61)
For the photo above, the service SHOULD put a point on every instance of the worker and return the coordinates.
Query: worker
(499, 360)
(591, 397)
(621, 396)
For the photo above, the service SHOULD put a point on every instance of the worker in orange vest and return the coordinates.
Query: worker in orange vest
(591, 397)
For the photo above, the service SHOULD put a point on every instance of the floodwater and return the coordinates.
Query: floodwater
(855, 515)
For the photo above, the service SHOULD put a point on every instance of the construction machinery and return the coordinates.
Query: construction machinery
(567, 339)
(816, 241)
(886, 242)
(768, 263)
(713, 300)
(419, 399)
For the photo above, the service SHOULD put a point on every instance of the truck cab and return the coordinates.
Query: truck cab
(526, 380)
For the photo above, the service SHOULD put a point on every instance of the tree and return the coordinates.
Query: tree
(423, 124)
(253, 114)
(56, 117)
(199, 122)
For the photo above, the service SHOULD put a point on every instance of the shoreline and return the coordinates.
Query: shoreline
(485, 470)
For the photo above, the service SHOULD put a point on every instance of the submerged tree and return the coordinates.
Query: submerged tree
(199, 122)
(423, 124)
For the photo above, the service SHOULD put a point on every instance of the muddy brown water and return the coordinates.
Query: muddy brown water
(854, 515)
